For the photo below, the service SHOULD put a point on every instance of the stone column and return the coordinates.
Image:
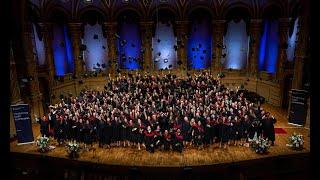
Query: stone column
(46, 31)
(284, 25)
(218, 30)
(300, 53)
(15, 92)
(255, 35)
(110, 31)
(75, 32)
(146, 37)
(35, 98)
(182, 32)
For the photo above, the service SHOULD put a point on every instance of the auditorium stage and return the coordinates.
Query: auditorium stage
(190, 157)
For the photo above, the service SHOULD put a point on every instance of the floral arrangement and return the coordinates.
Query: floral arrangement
(43, 143)
(259, 144)
(73, 148)
(296, 141)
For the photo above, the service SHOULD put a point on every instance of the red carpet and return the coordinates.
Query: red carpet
(279, 131)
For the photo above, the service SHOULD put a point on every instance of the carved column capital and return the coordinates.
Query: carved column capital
(110, 27)
(255, 25)
(218, 25)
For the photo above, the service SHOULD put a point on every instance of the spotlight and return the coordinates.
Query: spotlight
(165, 60)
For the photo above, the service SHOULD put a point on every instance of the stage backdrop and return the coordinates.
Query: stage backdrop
(22, 121)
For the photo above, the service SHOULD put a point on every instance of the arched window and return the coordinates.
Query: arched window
(236, 48)
(164, 53)
(96, 52)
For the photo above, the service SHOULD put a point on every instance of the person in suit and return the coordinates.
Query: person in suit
(44, 126)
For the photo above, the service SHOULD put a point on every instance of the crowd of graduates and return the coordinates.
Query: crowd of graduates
(159, 112)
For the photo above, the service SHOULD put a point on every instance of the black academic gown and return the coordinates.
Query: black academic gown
(149, 141)
(268, 128)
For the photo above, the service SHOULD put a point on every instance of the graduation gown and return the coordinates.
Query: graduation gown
(185, 131)
(167, 139)
(268, 128)
(149, 141)
(107, 132)
(177, 143)
(223, 132)
(44, 127)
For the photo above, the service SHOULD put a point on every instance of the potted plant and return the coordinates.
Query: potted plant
(296, 141)
(73, 148)
(43, 143)
(259, 145)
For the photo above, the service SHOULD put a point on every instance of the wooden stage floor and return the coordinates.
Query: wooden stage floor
(190, 157)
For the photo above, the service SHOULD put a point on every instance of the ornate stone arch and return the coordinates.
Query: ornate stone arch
(86, 9)
(238, 5)
(193, 9)
(60, 9)
(273, 8)
(127, 8)
(167, 7)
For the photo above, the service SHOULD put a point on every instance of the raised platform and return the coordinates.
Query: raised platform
(209, 159)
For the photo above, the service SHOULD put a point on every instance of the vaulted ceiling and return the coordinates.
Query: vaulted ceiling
(109, 10)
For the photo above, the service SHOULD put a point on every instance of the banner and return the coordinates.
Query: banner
(298, 107)
(23, 124)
